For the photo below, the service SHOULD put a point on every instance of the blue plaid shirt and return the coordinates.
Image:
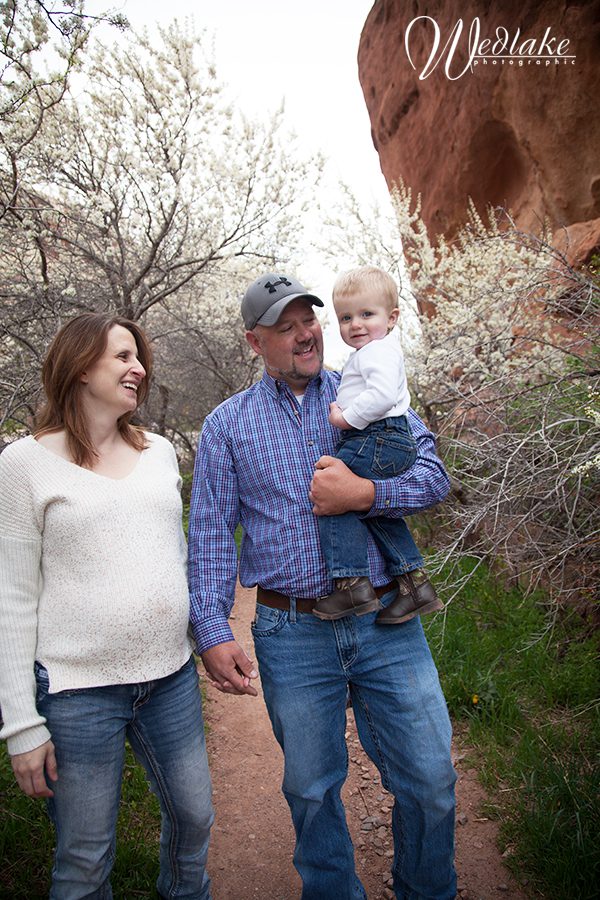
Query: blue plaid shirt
(255, 461)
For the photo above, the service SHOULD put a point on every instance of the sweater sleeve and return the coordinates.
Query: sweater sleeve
(20, 553)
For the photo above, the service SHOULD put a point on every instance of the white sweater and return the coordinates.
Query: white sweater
(92, 578)
(373, 384)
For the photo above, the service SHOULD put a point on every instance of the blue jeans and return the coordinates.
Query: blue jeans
(383, 449)
(306, 666)
(163, 721)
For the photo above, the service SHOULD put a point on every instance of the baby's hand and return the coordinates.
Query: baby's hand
(336, 417)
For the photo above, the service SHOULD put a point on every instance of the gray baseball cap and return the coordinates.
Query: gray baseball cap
(268, 296)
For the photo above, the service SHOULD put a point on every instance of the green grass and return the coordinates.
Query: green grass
(523, 684)
(27, 839)
(526, 685)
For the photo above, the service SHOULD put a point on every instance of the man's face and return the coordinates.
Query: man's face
(292, 349)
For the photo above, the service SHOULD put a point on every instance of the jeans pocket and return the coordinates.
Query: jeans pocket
(41, 672)
(393, 455)
(268, 621)
(41, 679)
(352, 450)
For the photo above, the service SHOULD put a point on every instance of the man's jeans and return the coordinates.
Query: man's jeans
(306, 666)
(163, 721)
(383, 449)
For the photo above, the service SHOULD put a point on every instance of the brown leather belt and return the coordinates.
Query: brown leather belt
(281, 601)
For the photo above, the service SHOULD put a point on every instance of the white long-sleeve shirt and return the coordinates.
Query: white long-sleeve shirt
(92, 578)
(373, 384)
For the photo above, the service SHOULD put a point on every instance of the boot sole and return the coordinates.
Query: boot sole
(420, 611)
(362, 610)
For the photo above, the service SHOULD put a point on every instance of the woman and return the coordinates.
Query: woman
(94, 642)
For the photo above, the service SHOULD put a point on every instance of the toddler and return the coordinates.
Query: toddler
(376, 442)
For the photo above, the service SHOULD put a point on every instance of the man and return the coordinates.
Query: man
(265, 461)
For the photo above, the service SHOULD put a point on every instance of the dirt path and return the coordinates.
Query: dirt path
(252, 843)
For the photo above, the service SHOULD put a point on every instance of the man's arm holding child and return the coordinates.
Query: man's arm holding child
(335, 489)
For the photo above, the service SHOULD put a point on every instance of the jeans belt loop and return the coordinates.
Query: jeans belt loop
(293, 610)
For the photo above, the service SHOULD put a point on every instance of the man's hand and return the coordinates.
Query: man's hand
(229, 669)
(336, 417)
(334, 489)
(31, 768)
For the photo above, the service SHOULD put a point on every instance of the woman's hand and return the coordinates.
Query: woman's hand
(31, 769)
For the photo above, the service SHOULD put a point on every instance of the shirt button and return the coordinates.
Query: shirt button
(387, 502)
(311, 443)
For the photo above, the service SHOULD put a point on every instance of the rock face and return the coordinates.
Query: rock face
(524, 137)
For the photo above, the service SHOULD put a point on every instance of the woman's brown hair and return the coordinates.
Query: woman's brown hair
(76, 347)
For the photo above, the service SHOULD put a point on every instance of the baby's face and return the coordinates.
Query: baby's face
(363, 317)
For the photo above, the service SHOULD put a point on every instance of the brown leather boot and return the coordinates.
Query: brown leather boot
(352, 596)
(416, 595)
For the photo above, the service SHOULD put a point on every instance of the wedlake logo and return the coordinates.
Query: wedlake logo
(504, 48)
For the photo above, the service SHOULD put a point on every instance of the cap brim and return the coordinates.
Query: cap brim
(271, 316)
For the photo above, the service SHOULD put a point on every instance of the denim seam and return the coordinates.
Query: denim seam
(175, 878)
(345, 819)
(386, 784)
(337, 626)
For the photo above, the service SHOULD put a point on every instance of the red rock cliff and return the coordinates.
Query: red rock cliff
(522, 137)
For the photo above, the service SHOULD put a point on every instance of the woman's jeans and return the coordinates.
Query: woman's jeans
(162, 720)
(383, 449)
(306, 666)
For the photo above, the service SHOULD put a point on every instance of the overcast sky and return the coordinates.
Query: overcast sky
(319, 82)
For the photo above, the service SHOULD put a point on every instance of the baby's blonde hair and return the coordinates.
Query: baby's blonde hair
(370, 277)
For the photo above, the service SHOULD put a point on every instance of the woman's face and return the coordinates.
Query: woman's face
(112, 381)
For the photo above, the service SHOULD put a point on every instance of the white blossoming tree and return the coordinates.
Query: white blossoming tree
(144, 192)
(505, 368)
(41, 44)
